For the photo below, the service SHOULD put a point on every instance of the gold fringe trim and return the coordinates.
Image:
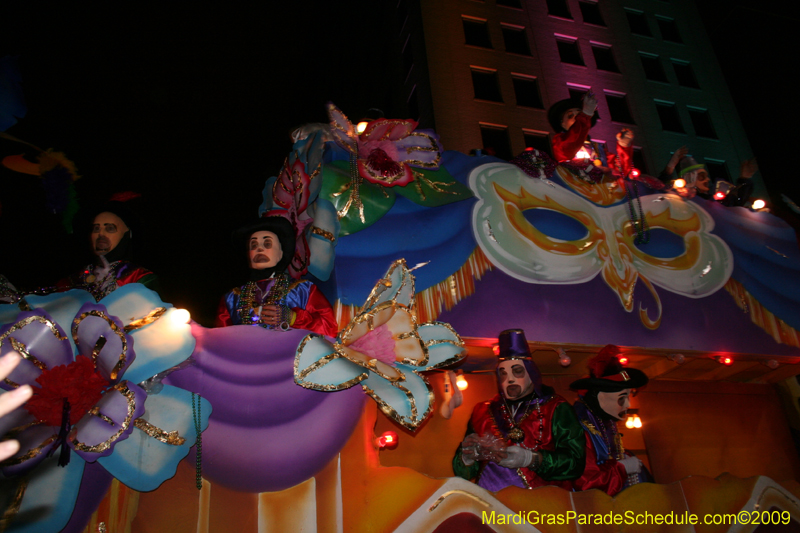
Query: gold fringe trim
(774, 326)
(443, 296)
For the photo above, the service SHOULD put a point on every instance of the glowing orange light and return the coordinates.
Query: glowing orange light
(496, 349)
(637, 422)
(623, 361)
(629, 422)
(726, 360)
(529, 149)
(635, 173)
(582, 154)
(361, 126)
(759, 204)
(461, 382)
(679, 183)
(719, 195)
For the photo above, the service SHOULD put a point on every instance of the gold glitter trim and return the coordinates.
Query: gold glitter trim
(12, 434)
(300, 376)
(30, 454)
(95, 411)
(322, 233)
(20, 347)
(167, 437)
(433, 148)
(98, 346)
(24, 351)
(129, 395)
(460, 492)
(151, 317)
(100, 314)
(13, 507)
(775, 327)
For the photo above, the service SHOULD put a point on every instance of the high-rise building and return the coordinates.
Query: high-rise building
(484, 73)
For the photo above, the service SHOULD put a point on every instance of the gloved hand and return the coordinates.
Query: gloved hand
(517, 457)
(632, 465)
(589, 104)
(469, 449)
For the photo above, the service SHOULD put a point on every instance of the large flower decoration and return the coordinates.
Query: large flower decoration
(86, 363)
(387, 148)
(383, 349)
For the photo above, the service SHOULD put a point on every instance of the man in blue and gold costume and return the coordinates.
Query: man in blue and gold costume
(527, 436)
(271, 298)
(605, 399)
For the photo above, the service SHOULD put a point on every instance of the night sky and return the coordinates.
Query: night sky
(192, 107)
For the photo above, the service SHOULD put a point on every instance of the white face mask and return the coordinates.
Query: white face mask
(514, 379)
(264, 250)
(615, 404)
(107, 231)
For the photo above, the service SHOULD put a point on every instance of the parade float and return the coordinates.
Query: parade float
(432, 253)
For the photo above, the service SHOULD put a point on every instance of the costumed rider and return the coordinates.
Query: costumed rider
(111, 240)
(271, 298)
(526, 436)
(604, 399)
(572, 119)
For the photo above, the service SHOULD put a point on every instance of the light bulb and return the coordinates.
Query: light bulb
(679, 183)
(361, 126)
(637, 422)
(180, 316)
(759, 204)
(461, 382)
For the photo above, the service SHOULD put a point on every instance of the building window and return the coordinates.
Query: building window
(670, 120)
(476, 32)
(569, 51)
(591, 13)
(537, 139)
(638, 23)
(685, 74)
(516, 40)
(558, 8)
(638, 160)
(576, 92)
(653, 68)
(701, 121)
(510, 3)
(604, 57)
(484, 81)
(526, 89)
(718, 170)
(618, 107)
(495, 140)
(668, 29)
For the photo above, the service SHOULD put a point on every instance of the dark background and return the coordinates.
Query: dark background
(192, 107)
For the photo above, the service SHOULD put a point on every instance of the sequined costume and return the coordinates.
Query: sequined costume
(552, 429)
(310, 309)
(604, 449)
(100, 285)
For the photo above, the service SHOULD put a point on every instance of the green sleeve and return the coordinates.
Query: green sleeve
(459, 468)
(150, 281)
(568, 458)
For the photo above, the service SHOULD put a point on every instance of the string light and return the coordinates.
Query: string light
(361, 126)
(719, 195)
(726, 360)
(623, 361)
(759, 204)
(635, 173)
(461, 381)
(180, 316)
(387, 440)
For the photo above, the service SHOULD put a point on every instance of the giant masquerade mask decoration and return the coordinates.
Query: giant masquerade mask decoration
(538, 232)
